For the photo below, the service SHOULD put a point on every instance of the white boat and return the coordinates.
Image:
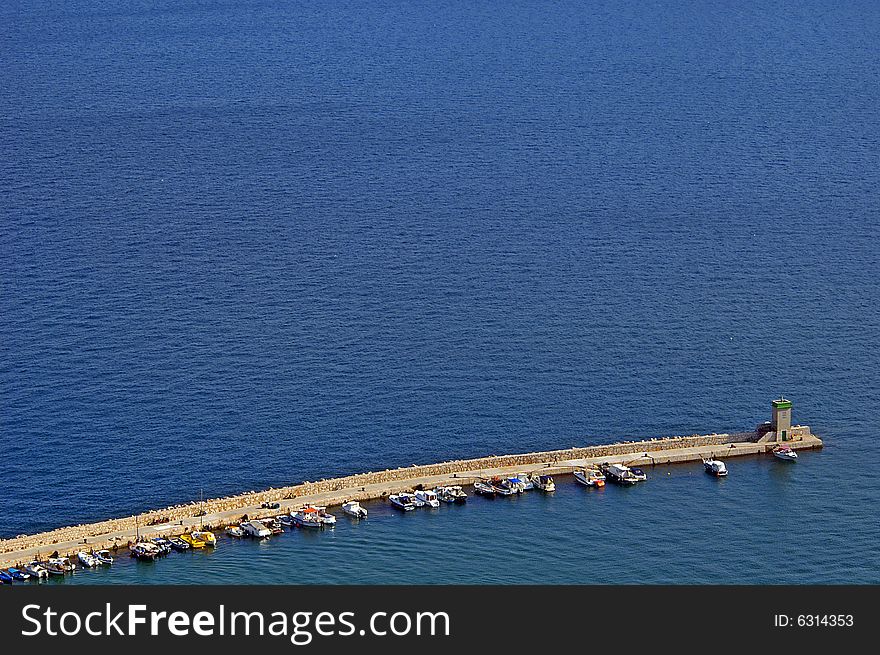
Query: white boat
(619, 473)
(103, 557)
(307, 517)
(503, 486)
(145, 550)
(526, 481)
(353, 508)
(454, 494)
(639, 474)
(402, 501)
(59, 565)
(273, 524)
(87, 560)
(36, 570)
(715, 467)
(589, 477)
(785, 453)
(428, 498)
(328, 520)
(485, 489)
(235, 531)
(285, 520)
(517, 484)
(543, 482)
(256, 529)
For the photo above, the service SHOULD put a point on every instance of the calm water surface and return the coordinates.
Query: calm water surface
(248, 244)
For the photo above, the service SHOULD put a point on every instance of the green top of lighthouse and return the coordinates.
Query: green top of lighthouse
(781, 403)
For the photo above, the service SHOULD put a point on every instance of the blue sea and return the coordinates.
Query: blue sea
(244, 245)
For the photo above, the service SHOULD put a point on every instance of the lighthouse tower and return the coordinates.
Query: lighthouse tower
(781, 423)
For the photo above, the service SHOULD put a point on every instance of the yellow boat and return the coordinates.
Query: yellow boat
(192, 540)
(206, 536)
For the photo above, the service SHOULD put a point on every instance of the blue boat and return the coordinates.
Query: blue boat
(5, 578)
(18, 575)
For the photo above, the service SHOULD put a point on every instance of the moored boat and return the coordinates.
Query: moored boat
(307, 517)
(5, 578)
(257, 529)
(58, 565)
(37, 570)
(453, 494)
(18, 574)
(162, 544)
(145, 551)
(428, 498)
(618, 473)
(104, 557)
(327, 519)
(273, 524)
(639, 474)
(353, 508)
(178, 544)
(714, 467)
(590, 478)
(403, 501)
(206, 536)
(192, 540)
(484, 489)
(503, 487)
(285, 520)
(543, 482)
(785, 453)
(235, 531)
(87, 560)
(526, 480)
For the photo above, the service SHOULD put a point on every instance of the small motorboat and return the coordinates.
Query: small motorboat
(526, 481)
(715, 467)
(56, 566)
(18, 574)
(785, 453)
(255, 529)
(402, 501)
(543, 482)
(639, 474)
(618, 473)
(36, 570)
(104, 557)
(145, 551)
(428, 498)
(517, 484)
(178, 544)
(285, 520)
(163, 545)
(327, 519)
(87, 560)
(273, 524)
(235, 531)
(206, 536)
(453, 494)
(307, 517)
(484, 489)
(590, 478)
(353, 508)
(503, 487)
(192, 540)
(5, 578)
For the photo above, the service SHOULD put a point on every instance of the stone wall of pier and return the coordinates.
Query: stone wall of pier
(176, 513)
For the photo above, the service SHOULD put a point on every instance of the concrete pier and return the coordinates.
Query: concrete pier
(118, 533)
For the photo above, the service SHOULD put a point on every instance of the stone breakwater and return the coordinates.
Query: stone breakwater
(171, 519)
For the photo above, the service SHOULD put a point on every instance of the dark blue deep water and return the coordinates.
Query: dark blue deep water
(248, 244)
